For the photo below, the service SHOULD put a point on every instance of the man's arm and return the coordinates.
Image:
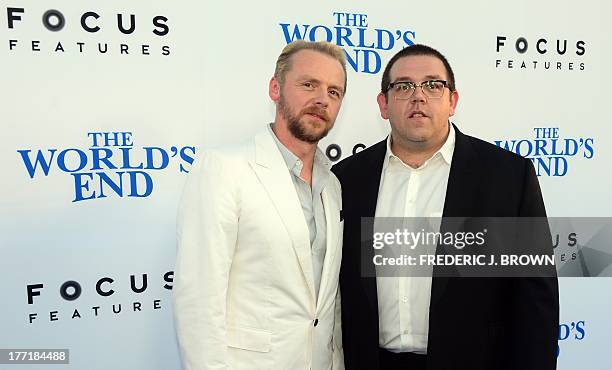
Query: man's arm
(338, 360)
(535, 324)
(206, 234)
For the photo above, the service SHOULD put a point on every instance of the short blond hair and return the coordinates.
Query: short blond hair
(283, 63)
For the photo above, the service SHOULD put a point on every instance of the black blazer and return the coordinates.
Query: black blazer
(474, 323)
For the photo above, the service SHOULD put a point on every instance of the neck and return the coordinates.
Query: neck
(415, 153)
(305, 151)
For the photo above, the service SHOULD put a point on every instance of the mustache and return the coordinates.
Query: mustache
(317, 111)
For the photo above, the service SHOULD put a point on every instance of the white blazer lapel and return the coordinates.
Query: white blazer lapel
(332, 220)
(276, 179)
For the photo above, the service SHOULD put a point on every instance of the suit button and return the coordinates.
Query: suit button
(316, 322)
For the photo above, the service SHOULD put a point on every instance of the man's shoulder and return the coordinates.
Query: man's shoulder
(491, 153)
(224, 157)
(357, 161)
(235, 151)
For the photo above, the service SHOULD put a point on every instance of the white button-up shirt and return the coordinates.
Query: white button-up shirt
(403, 302)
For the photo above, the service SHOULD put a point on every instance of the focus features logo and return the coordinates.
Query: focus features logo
(105, 287)
(131, 27)
(111, 166)
(362, 44)
(539, 53)
(565, 246)
(334, 151)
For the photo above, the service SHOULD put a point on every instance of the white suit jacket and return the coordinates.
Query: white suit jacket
(244, 295)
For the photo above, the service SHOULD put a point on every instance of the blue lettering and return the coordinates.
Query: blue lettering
(340, 36)
(571, 147)
(134, 184)
(186, 157)
(61, 160)
(116, 187)
(354, 63)
(126, 159)
(165, 159)
(45, 164)
(362, 37)
(408, 41)
(540, 147)
(81, 183)
(580, 330)
(313, 33)
(588, 147)
(380, 39)
(367, 60)
(97, 158)
(296, 35)
(554, 147)
(542, 164)
(522, 152)
(508, 145)
(564, 331)
(560, 166)
(94, 137)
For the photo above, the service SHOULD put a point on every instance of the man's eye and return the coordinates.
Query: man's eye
(433, 85)
(404, 87)
(307, 84)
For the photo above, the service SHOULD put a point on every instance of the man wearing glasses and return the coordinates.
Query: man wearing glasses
(428, 168)
(259, 234)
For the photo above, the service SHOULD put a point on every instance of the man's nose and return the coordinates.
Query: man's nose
(322, 98)
(418, 95)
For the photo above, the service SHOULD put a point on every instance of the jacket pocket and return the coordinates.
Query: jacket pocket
(249, 339)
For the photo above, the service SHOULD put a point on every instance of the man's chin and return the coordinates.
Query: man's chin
(311, 132)
(313, 123)
(313, 137)
(414, 136)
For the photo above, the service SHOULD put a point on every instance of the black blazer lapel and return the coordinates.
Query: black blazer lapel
(463, 179)
(461, 196)
(367, 200)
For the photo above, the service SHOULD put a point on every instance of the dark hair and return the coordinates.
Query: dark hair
(417, 49)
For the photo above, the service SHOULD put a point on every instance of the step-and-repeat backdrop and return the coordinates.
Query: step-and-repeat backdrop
(105, 105)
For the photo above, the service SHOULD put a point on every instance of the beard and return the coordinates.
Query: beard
(303, 128)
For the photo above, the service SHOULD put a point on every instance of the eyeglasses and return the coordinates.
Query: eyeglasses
(405, 89)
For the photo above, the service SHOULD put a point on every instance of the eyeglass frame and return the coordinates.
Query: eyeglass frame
(444, 82)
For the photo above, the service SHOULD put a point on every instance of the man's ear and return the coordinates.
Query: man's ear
(274, 89)
(382, 105)
(454, 99)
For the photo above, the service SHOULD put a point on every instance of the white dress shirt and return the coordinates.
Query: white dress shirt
(403, 302)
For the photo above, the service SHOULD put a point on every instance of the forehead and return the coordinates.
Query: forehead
(418, 67)
(314, 64)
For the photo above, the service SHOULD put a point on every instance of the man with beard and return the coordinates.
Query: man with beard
(259, 233)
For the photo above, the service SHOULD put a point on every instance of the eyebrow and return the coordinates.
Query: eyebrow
(427, 78)
(309, 78)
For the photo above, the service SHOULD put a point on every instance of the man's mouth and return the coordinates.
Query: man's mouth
(417, 114)
(316, 113)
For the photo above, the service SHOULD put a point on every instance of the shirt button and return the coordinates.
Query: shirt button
(405, 299)
(316, 322)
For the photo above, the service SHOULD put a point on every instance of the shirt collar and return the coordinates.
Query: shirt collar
(445, 151)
